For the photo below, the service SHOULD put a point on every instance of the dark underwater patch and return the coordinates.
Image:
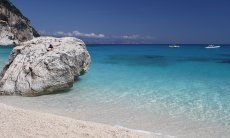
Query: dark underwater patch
(194, 59)
(137, 60)
(224, 55)
(226, 61)
(203, 59)
(157, 60)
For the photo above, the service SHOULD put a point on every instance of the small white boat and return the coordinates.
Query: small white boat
(174, 46)
(212, 46)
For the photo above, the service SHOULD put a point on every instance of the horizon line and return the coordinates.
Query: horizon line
(154, 43)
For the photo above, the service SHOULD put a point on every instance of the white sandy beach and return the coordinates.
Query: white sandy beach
(15, 122)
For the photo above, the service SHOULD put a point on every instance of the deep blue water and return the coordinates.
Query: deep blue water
(130, 84)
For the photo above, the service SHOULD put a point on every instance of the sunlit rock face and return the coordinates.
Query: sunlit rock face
(14, 26)
(44, 65)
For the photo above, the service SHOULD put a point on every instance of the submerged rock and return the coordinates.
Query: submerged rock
(14, 26)
(44, 65)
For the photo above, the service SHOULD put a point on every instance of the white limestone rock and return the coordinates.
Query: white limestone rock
(44, 65)
(14, 26)
(7, 38)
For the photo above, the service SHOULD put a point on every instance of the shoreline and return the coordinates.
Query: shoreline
(17, 122)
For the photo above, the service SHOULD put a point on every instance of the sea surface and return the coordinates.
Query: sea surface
(182, 92)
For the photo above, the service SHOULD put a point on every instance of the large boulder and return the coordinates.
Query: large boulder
(44, 65)
(14, 26)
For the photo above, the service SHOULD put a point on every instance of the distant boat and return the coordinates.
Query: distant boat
(174, 46)
(212, 46)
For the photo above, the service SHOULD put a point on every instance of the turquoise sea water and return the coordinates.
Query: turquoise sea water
(147, 87)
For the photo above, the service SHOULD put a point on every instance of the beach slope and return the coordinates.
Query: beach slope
(15, 122)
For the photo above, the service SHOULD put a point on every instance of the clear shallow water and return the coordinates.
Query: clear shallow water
(176, 92)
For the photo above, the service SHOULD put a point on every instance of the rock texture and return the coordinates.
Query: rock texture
(44, 65)
(7, 37)
(14, 27)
